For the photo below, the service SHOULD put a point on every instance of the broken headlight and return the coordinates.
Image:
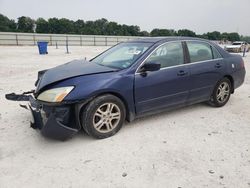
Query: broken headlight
(55, 95)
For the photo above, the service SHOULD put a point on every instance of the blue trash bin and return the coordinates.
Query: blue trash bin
(42, 47)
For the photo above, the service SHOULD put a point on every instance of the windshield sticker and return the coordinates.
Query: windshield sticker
(133, 52)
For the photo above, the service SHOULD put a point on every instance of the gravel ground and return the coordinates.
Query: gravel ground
(196, 146)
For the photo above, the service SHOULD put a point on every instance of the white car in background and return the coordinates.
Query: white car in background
(237, 47)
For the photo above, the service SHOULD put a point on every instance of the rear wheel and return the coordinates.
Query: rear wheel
(221, 93)
(103, 117)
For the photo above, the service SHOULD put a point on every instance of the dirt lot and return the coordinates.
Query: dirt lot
(196, 146)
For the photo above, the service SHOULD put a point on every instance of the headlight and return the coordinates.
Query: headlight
(55, 95)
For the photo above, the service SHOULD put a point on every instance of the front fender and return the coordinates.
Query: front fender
(88, 87)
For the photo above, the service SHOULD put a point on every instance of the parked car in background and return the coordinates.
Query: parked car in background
(237, 47)
(130, 80)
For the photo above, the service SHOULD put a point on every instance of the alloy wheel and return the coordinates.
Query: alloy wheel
(106, 117)
(223, 92)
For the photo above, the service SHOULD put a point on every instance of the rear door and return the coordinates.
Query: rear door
(166, 87)
(206, 68)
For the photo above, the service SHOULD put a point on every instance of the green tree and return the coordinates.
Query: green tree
(162, 32)
(54, 25)
(245, 38)
(25, 24)
(42, 26)
(100, 26)
(79, 27)
(144, 33)
(204, 36)
(215, 35)
(61, 26)
(224, 36)
(186, 32)
(113, 29)
(233, 37)
(230, 36)
(7, 25)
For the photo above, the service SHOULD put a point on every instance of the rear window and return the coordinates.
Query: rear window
(199, 51)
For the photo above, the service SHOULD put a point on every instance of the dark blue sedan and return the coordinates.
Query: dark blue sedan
(130, 80)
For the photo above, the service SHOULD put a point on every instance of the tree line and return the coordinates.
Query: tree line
(101, 27)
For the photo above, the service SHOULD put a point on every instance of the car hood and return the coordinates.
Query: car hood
(69, 70)
(233, 46)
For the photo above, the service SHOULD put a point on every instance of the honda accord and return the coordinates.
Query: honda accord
(130, 80)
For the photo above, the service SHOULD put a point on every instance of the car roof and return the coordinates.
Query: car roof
(165, 39)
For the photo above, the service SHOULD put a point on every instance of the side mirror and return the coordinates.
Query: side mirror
(151, 67)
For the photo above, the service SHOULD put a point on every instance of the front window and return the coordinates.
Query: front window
(122, 55)
(169, 54)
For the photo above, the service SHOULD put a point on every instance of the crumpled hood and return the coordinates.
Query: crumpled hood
(69, 70)
(233, 46)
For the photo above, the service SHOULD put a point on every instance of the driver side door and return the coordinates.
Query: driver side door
(166, 87)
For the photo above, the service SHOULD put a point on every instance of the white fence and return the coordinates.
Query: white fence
(61, 39)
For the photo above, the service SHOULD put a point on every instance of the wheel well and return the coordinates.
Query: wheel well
(232, 82)
(111, 93)
(121, 98)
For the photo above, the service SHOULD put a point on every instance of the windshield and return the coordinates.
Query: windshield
(122, 55)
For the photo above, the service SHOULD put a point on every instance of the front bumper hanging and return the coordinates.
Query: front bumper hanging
(57, 122)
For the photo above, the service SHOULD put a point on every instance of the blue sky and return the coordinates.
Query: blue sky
(198, 15)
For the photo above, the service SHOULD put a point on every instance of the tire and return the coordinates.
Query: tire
(221, 93)
(103, 117)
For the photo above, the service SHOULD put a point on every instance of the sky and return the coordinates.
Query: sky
(200, 16)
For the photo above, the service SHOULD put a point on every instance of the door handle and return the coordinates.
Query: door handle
(182, 73)
(217, 65)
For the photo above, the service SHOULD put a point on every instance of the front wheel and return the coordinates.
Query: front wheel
(221, 93)
(104, 116)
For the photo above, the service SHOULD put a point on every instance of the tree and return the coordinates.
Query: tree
(224, 36)
(79, 27)
(144, 33)
(204, 36)
(113, 29)
(245, 38)
(186, 32)
(7, 25)
(66, 26)
(61, 26)
(101, 27)
(233, 37)
(162, 32)
(54, 25)
(42, 26)
(215, 35)
(25, 24)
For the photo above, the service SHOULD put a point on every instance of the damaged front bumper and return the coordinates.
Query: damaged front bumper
(55, 121)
